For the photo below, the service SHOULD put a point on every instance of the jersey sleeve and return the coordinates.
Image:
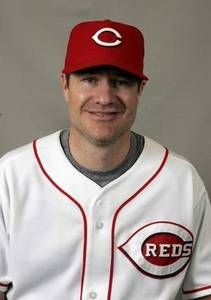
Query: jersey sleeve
(198, 279)
(5, 279)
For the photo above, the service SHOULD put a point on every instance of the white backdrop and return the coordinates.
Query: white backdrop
(176, 105)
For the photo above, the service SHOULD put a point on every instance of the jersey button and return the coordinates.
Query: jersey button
(99, 225)
(93, 295)
(99, 202)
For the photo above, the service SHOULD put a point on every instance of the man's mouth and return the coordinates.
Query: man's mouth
(105, 115)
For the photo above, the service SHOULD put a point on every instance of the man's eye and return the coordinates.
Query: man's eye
(120, 82)
(89, 79)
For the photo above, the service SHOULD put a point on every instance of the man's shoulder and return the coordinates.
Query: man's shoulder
(173, 157)
(179, 167)
(24, 154)
(19, 153)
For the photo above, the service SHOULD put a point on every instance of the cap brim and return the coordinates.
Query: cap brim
(98, 62)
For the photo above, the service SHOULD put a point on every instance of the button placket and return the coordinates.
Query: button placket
(98, 251)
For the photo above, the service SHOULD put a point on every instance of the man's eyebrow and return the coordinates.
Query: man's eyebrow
(120, 74)
(124, 76)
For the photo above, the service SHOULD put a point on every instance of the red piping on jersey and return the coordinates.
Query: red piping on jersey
(197, 290)
(77, 204)
(117, 212)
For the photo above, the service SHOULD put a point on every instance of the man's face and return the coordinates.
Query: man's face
(102, 104)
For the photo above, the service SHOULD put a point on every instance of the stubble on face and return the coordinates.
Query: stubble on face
(106, 124)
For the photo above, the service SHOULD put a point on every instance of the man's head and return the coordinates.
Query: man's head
(102, 79)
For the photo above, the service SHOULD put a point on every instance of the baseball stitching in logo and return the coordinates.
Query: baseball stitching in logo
(160, 249)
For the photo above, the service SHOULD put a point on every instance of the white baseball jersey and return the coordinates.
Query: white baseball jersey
(142, 236)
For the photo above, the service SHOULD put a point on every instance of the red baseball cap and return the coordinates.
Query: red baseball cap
(105, 43)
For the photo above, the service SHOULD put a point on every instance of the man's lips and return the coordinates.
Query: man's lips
(104, 112)
(104, 115)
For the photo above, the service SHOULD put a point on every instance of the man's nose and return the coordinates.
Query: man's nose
(104, 93)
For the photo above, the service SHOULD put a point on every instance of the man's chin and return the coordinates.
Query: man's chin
(102, 142)
(106, 140)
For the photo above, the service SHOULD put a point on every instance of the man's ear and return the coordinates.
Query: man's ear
(141, 86)
(64, 85)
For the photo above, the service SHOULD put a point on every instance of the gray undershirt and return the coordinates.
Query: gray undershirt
(100, 177)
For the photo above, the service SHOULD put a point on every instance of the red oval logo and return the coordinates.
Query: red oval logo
(163, 249)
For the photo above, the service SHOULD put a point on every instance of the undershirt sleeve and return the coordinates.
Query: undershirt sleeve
(198, 278)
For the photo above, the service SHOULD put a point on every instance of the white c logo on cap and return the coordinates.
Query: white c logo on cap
(95, 37)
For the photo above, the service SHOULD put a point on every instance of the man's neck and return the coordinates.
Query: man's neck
(97, 157)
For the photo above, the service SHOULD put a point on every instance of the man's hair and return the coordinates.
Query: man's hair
(132, 78)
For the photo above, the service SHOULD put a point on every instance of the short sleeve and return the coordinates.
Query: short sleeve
(198, 279)
(5, 279)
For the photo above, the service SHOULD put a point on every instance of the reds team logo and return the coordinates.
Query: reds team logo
(114, 33)
(160, 249)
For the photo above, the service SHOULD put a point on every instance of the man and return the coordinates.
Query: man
(98, 211)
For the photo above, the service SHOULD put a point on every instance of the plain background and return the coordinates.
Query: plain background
(175, 107)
